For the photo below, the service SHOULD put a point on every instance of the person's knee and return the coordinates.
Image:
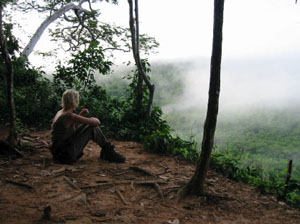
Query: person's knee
(84, 126)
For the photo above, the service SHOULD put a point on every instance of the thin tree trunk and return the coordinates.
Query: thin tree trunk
(139, 87)
(134, 28)
(288, 177)
(12, 138)
(150, 86)
(196, 184)
(139, 93)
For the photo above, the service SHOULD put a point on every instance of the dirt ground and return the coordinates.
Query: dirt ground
(33, 189)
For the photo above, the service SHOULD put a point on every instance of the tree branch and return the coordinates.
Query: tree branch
(81, 21)
(37, 35)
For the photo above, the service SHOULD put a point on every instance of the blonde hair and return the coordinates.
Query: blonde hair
(70, 99)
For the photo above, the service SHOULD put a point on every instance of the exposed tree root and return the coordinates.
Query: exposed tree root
(188, 189)
(8, 150)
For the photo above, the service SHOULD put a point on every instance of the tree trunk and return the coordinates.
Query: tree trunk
(139, 93)
(134, 28)
(12, 138)
(196, 184)
(139, 87)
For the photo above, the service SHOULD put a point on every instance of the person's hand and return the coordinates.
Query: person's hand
(84, 112)
(95, 121)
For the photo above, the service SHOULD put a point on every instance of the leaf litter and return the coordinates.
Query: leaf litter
(33, 189)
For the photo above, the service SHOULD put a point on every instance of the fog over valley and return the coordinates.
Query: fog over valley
(245, 84)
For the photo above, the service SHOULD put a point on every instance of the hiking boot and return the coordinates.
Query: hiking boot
(108, 153)
(63, 160)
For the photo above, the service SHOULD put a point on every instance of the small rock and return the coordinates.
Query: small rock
(112, 191)
(175, 221)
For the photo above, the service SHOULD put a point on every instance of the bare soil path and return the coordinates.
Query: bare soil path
(142, 190)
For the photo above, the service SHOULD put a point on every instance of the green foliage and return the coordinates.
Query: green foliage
(35, 97)
(159, 139)
(115, 86)
(294, 196)
(11, 41)
(33, 93)
(229, 164)
(4, 2)
(112, 38)
(167, 79)
(12, 47)
(119, 115)
(265, 139)
(109, 110)
(252, 148)
(79, 74)
(132, 87)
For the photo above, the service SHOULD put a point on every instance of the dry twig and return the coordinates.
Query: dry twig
(121, 197)
(157, 188)
(143, 171)
(71, 183)
(19, 184)
(141, 182)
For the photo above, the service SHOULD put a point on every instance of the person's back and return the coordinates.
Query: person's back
(60, 132)
(71, 132)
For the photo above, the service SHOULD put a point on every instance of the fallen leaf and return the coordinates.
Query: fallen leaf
(175, 221)
(59, 170)
(163, 177)
(45, 173)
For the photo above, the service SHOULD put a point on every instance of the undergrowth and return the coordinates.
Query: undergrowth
(37, 99)
(229, 164)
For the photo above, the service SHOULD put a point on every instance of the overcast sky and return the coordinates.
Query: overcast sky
(252, 28)
(261, 44)
(184, 28)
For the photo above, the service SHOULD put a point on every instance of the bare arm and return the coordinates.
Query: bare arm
(84, 112)
(85, 120)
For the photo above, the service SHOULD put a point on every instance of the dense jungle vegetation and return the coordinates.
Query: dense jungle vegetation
(253, 147)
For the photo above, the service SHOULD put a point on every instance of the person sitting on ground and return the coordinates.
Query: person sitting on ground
(71, 132)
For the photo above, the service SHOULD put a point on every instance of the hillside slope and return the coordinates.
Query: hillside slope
(140, 191)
